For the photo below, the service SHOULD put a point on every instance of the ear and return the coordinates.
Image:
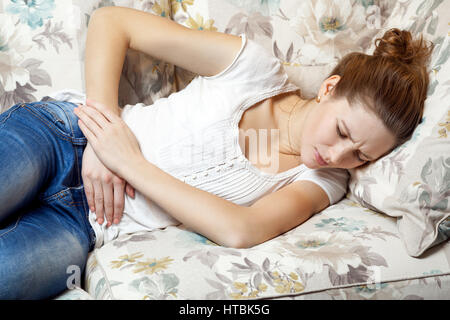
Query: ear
(327, 86)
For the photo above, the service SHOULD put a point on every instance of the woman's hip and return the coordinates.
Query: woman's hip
(44, 136)
(57, 117)
(41, 152)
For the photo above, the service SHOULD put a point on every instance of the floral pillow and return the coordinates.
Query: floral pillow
(412, 183)
(42, 47)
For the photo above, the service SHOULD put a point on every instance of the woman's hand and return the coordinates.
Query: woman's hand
(109, 136)
(112, 140)
(104, 190)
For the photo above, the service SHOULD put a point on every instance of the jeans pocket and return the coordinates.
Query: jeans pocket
(71, 203)
(60, 118)
(69, 198)
(57, 120)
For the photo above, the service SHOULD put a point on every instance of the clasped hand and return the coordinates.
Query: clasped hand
(115, 146)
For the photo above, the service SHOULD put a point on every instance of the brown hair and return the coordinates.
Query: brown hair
(392, 82)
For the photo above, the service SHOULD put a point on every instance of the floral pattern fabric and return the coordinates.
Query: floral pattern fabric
(331, 256)
(395, 209)
(42, 45)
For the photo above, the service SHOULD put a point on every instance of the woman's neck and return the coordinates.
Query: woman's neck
(290, 113)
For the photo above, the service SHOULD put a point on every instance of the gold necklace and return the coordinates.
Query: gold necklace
(289, 121)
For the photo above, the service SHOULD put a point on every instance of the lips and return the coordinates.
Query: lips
(319, 159)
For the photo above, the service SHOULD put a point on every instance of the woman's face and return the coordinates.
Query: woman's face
(341, 136)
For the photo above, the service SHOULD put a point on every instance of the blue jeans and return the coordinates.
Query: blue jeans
(45, 235)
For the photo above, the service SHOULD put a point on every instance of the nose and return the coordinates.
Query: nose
(340, 152)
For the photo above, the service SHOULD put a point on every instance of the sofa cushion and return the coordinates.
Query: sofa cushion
(360, 249)
(75, 293)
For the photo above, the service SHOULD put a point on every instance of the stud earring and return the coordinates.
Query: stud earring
(318, 99)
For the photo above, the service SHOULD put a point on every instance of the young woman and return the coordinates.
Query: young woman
(194, 157)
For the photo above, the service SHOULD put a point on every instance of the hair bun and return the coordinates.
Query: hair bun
(400, 45)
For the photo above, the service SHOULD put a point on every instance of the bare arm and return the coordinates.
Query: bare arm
(223, 221)
(115, 29)
(106, 47)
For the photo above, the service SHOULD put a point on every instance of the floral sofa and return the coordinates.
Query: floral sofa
(387, 239)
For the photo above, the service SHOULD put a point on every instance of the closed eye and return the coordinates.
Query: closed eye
(340, 134)
(359, 159)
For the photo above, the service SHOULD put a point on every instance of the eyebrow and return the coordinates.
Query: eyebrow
(350, 136)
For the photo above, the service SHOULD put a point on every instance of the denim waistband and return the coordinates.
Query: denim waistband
(60, 115)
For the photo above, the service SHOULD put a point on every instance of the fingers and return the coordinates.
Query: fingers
(95, 199)
(92, 118)
(112, 201)
(98, 201)
(108, 201)
(107, 113)
(89, 191)
(129, 190)
(87, 133)
(119, 201)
